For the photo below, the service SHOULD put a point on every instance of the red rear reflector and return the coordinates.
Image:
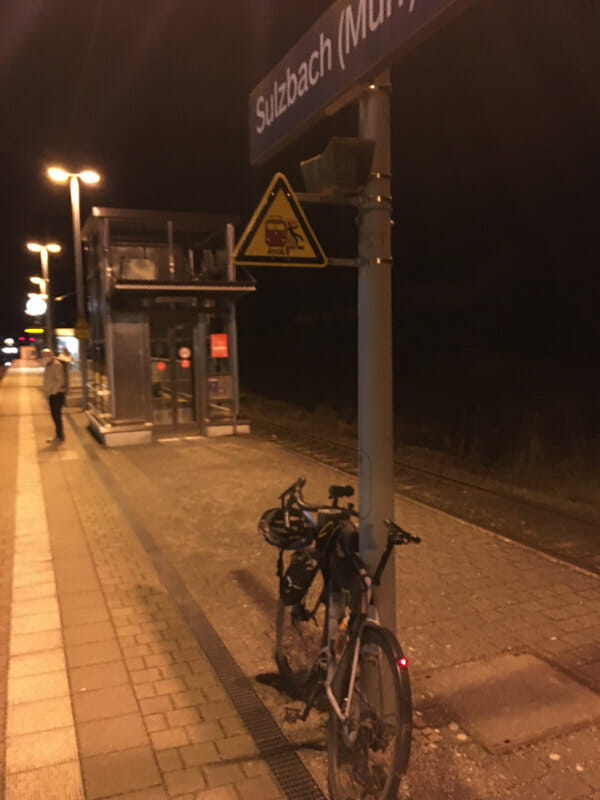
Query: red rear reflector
(403, 663)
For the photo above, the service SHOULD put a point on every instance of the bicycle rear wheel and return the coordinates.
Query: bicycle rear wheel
(369, 752)
(299, 635)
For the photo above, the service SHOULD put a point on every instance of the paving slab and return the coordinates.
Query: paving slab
(40, 715)
(56, 782)
(31, 751)
(98, 676)
(38, 687)
(100, 737)
(38, 663)
(104, 703)
(120, 772)
(513, 699)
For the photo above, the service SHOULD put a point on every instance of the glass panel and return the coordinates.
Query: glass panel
(172, 375)
(98, 391)
(219, 372)
(162, 396)
(184, 375)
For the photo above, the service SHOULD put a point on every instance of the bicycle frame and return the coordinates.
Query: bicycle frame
(368, 616)
(342, 714)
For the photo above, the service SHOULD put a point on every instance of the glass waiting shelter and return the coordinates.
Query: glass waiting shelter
(162, 356)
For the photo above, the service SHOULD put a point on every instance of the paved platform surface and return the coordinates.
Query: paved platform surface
(124, 573)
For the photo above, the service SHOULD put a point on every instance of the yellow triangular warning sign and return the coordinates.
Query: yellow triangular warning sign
(279, 235)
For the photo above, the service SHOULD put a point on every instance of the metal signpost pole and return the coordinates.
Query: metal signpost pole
(375, 410)
(326, 69)
(74, 186)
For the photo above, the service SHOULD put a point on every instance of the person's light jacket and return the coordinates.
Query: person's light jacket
(54, 378)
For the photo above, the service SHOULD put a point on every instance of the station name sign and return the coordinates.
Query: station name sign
(348, 45)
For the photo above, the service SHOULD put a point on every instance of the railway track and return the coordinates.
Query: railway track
(565, 535)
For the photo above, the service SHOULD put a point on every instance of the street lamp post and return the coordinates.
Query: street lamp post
(87, 176)
(43, 250)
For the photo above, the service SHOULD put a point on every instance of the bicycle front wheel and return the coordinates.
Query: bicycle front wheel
(369, 751)
(299, 635)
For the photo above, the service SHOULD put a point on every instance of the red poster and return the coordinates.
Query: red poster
(219, 346)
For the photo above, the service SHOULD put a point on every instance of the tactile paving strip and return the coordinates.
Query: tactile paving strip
(42, 760)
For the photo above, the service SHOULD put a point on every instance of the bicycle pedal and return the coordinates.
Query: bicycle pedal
(291, 714)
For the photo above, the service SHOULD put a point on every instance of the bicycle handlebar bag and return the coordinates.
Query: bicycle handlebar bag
(298, 576)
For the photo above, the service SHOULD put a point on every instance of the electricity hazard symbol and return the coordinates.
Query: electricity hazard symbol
(279, 234)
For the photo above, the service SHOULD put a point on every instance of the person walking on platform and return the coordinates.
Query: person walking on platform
(55, 387)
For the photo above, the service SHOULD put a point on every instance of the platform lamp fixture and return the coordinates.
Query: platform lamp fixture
(90, 177)
(43, 250)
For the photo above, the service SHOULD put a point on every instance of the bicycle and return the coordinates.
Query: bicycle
(329, 642)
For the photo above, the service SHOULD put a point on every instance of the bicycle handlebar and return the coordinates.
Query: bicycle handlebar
(295, 488)
(293, 494)
(397, 535)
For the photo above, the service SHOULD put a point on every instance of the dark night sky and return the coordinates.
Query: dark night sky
(496, 157)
